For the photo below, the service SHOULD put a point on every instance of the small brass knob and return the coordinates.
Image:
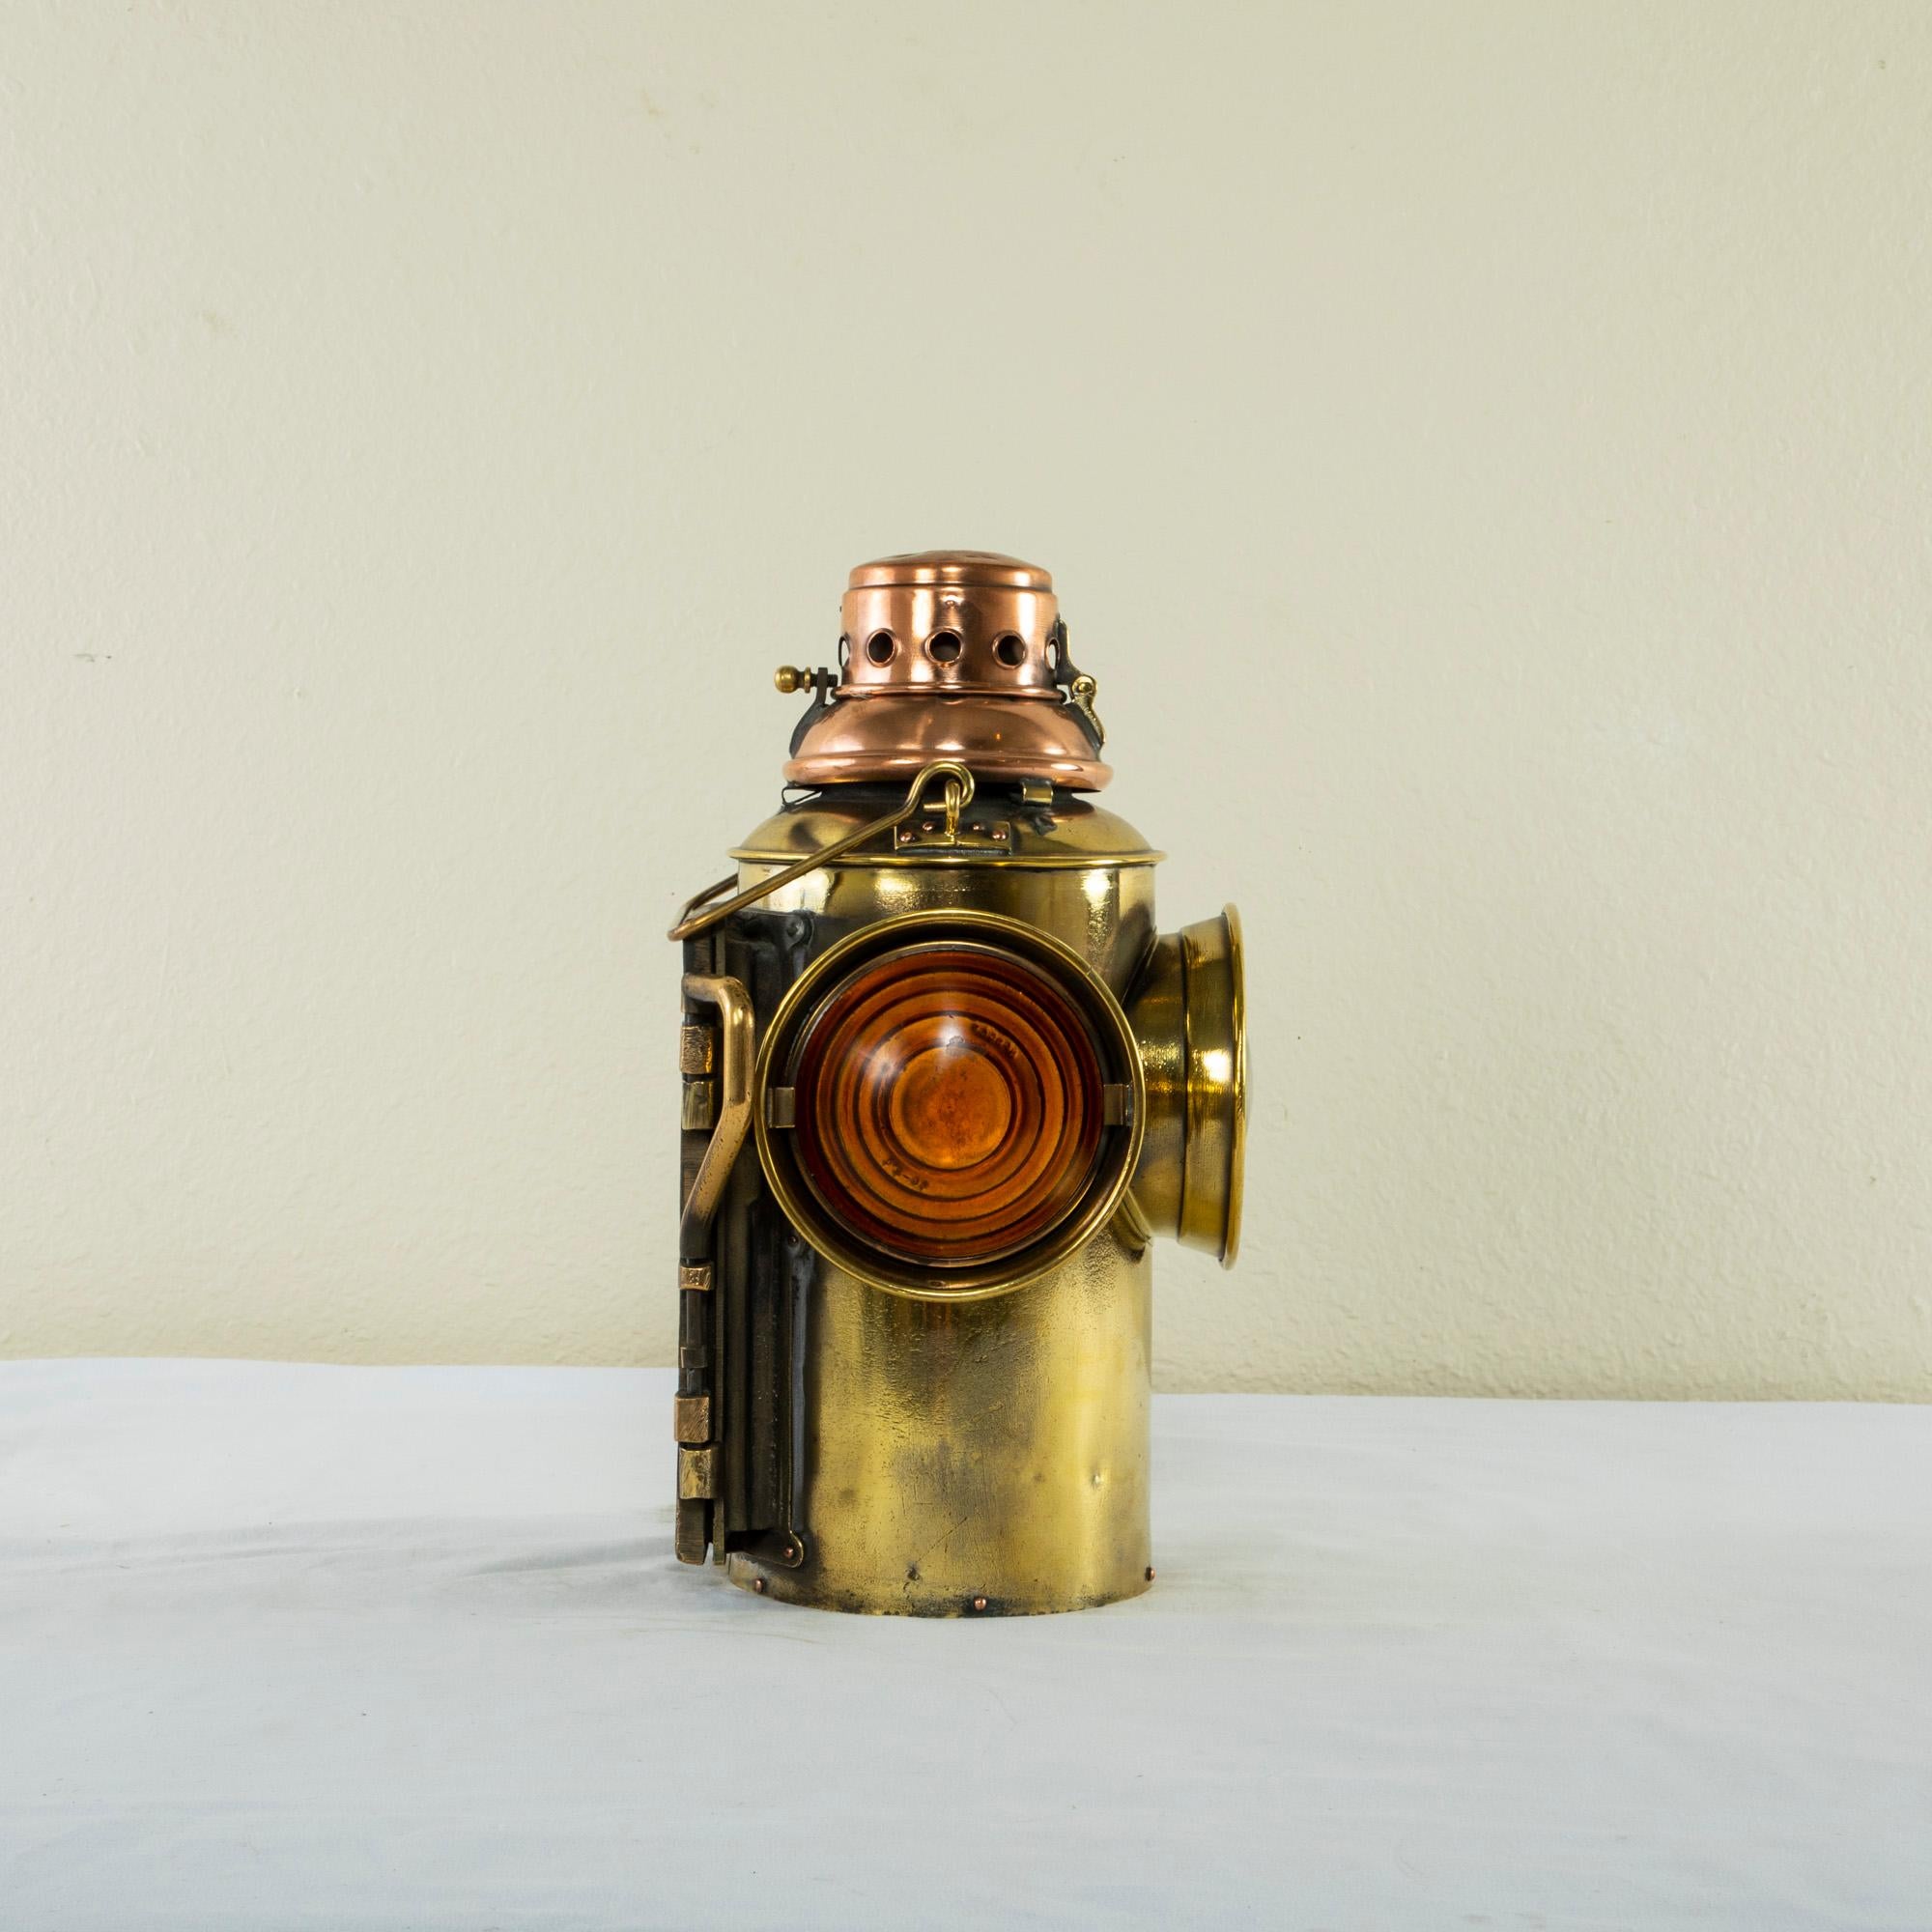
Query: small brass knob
(789, 678)
(1080, 694)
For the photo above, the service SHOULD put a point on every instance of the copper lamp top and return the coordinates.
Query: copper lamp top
(950, 566)
(951, 653)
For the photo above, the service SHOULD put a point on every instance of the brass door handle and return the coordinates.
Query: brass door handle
(733, 1119)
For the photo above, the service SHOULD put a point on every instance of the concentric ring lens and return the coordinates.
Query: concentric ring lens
(948, 1103)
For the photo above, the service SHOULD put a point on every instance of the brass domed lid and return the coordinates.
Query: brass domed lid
(949, 654)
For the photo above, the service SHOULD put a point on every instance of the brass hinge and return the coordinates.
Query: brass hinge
(697, 1045)
(692, 1413)
(694, 1047)
(696, 1474)
(691, 1532)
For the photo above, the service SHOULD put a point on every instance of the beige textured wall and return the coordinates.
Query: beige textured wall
(1484, 452)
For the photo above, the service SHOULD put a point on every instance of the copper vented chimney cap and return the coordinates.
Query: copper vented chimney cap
(951, 653)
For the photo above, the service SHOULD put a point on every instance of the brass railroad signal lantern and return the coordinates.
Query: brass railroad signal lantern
(943, 1082)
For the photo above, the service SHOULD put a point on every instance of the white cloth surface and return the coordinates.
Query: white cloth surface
(293, 1646)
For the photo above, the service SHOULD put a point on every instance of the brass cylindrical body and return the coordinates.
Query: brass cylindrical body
(992, 1449)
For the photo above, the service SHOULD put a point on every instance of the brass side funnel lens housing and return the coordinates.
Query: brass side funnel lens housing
(916, 1311)
(1189, 1014)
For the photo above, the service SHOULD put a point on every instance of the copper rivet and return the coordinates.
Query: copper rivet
(1149, 1572)
(758, 1584)
(978, 1603)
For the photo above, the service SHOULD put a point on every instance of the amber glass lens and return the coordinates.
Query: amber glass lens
(947, 1103)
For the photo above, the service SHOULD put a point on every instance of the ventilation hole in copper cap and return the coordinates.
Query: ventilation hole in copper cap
(1010, 650)
(943, 646)
(880, 647)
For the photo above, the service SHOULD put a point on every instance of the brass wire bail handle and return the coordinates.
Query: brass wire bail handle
(699, 915)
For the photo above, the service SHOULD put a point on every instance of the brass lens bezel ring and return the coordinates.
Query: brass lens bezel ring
(1120, 1144)
(1234, 966)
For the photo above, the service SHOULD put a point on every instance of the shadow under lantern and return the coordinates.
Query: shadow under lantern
(943, 1082)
